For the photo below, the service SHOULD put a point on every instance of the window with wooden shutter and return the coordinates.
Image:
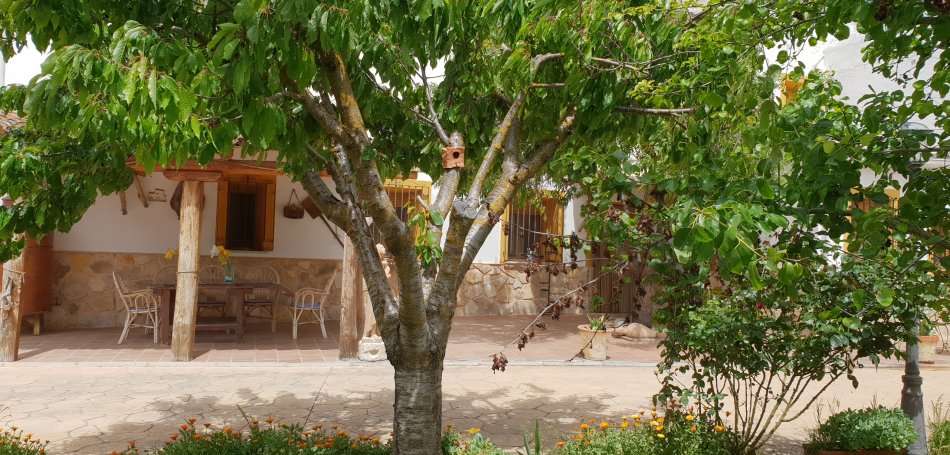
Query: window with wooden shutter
(246, 208)
(527, 228)
(404, 194)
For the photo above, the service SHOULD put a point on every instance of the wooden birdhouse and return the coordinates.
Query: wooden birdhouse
(453, 157)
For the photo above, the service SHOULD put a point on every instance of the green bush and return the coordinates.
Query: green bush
(649, 433)
(869, 429)
(454, 443)
(14, 442)
(266, 438)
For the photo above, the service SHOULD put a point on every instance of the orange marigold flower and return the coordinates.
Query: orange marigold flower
(301, 444)
(604, 425)
(560, 443)
(132, 444)
(584, 426)
(692, 428)
(192, 420)
(270, 420)
(196, 436)
(720, 428)
(173, 437)
(317, 427)
(185, 426)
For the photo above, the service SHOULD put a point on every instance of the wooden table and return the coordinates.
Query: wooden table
(236, 292)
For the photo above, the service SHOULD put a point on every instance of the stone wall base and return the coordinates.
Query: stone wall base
(85, 297)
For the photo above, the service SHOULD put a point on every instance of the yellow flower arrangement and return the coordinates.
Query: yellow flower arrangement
(223, 255)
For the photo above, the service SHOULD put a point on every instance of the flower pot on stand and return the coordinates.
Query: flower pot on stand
(928, 347)
(595, 342)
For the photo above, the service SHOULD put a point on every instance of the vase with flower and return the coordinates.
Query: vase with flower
(224, 258)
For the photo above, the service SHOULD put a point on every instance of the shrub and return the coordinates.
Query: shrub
(869, 429)
(940, 429)
(14, 442)
(454, 443)
(649, 433)
(269, 438)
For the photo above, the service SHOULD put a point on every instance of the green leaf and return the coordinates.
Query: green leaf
(436, 218)
(765, 189)
(828, 146)
(754, 279)
(885, 297)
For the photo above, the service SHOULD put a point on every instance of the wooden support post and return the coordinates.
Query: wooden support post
(186, 300)
(10, 317)
(351, 301)
(140, 190)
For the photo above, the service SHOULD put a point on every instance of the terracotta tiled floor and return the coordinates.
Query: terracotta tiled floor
(473, 338)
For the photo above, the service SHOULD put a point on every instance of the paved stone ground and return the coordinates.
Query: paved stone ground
(93, 408)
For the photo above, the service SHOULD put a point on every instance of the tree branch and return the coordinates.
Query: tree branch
(505, 127)
(651, 111)
(433, 116)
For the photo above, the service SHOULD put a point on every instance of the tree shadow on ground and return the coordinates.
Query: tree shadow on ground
(502, 416)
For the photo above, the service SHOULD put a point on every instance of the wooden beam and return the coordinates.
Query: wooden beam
(11, 319)
(122, 203)
(186, 300)
(140, 190)
(226, 167)
(351, 300)
(192, 175)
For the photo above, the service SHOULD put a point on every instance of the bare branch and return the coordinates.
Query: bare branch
(652, 111)
(433, 115)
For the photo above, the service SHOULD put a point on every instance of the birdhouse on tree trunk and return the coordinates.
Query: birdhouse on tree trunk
(453, 157)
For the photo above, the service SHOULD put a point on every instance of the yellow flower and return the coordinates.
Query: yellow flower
(660, 436)
(624, 425)
(689, 418)
(635, 417)
(659, 428)
(692, 428)
(473, 431)
(584, 426)
(604, 425)
(560, 443)
(720, 428)
(660, 420)
(170, 253)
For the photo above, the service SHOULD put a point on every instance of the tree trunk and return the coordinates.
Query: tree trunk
(418, 410)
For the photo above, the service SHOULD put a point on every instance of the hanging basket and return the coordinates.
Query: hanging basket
(293, 209)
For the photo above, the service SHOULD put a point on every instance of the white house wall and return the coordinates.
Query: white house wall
(155, 229)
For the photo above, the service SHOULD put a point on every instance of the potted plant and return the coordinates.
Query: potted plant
(871, 431)
(927, 342)
(595, 333)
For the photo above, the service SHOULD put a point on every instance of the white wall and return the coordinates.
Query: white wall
(155, 229)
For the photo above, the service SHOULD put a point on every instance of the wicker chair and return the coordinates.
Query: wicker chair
(262, 302)
(138, 303)
(311, 300)
(212, 298)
